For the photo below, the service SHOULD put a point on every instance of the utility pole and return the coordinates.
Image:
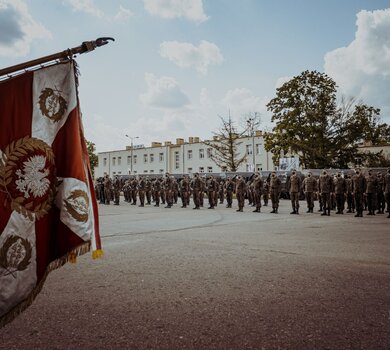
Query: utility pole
(131, 151)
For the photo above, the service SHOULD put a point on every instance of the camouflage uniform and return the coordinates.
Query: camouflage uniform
(229, 188)
(275, 189)
(240, 193)
(340, 188)
(107, 189)
(211, 186)
(258, 186)
(310, 188)
(148, 190)
(141, 191)
(326, 189)
(359, 188)
(295, 189)
(380, 196)
(196, 185)
(350, 199)
(117, 188)
(371, 191)
(184, 191)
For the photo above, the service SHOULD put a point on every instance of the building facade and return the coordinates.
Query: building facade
(182, 157)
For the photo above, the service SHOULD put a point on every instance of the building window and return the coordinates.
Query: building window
(152, 171)
(161, 157)
(189, 154)
(224, 169)
(104, 161)
(135, 172)
(119, 160)
(189, 170)
(145, 158)
(113, 161)
(209, 169)
(249, 150)
(161, 171)
(135, 160)
(128, 160)
(113, 173)
(145, 171)
(177, 160)
(119, 173)
(201, 153)
(258, 148)
(209, 152)
(201, 169)
(151, 157)
(248, 167)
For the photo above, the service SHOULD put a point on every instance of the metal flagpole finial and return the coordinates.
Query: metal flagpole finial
(86, 46)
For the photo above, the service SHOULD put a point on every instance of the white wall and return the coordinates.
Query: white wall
(111, 166)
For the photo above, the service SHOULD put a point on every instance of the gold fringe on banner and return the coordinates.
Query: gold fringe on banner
(96, 254)
(23, 305)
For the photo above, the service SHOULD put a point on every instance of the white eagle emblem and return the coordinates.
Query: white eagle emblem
(33, 178)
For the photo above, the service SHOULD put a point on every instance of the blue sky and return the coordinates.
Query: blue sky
(178, 64)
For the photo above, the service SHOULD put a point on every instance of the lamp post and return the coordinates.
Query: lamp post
(131, 151)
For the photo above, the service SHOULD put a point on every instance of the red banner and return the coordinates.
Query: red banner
(48, 211)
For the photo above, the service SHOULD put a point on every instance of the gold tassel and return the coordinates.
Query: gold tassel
(96, 254)
(72, 258)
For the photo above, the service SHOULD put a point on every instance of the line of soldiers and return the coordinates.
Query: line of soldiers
(333, 192)
(359, 192)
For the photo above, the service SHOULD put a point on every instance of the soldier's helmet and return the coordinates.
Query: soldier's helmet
(273, 174)
(309, 174)
(324, 172)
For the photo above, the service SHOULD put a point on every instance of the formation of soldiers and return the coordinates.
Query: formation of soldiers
(353, 193)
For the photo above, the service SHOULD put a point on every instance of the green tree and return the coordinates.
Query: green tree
(311, 124)
(93, 158)
(224, 146)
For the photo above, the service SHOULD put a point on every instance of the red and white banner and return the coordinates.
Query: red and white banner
(48, 211)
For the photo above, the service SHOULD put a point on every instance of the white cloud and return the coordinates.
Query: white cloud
(18, 29)
(362, 69)
(241, 101)
(187, 55)
(204, 98)
(163, 92)
(281, 81)
(123, 14)
(86, 6)
(190, 9)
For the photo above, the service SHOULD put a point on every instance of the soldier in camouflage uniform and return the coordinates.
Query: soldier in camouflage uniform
(117, 188)
(310, 188)
(380, 196)
(141, 191)
(371, 191)
(240, 193)
(229, 189)
(196, 190)
(184, 191)
(340, 189)
(258, 186)
(101, 190)
(295, 185)
(168, 186)
(133, 189)
(387, 191)
(107, 189)
(156, 192)
(211, 187)
(326, 189)
(275, 189)
(162, 190)
(359, 188)
(175, 190)
(221, 191)
(350, 199)
(148, 190)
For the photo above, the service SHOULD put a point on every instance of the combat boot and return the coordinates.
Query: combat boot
(293, 212)
(388, 216)
(324, 213)
(297, 212)
(308, 210)
(328, 212)
(276, 210)
(273, 211)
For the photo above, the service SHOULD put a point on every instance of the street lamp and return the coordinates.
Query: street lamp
(131, 151)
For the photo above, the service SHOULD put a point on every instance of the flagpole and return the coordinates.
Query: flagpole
(86, 46)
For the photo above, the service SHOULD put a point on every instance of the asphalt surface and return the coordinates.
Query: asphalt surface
(217, 279)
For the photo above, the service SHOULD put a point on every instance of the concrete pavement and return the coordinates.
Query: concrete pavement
(217, 279)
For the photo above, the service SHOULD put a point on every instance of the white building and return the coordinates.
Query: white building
(182, 157)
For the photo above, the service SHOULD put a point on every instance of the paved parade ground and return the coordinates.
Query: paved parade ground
(217, 279)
